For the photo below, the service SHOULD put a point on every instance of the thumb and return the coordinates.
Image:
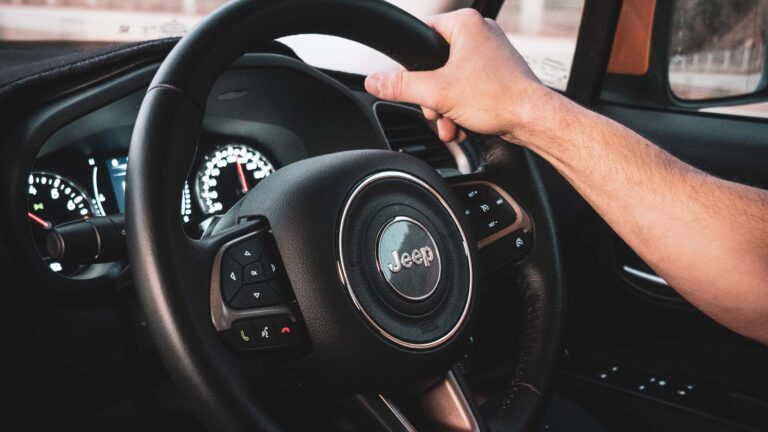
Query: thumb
(420, 88)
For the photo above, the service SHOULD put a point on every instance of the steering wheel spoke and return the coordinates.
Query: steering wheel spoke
(252, 305)
(502, 226)
(444, 406)
(449, 406)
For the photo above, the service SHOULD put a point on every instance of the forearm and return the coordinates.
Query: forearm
(706, 236)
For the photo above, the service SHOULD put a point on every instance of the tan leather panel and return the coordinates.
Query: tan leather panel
(632, 45)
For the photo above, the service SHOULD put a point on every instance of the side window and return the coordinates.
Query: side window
(545, 33)
(717, 48)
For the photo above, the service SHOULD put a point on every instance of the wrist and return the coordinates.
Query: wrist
(541, 120)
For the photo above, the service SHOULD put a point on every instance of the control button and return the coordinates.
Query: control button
(494, 223)
(498, 203)
(470, 194)
(256, 295)
(286, 331)
(265, 332)
(231, 278)
(254, 273)
(244, 334)
(273, 268)
(248, 251)
(506, 249)
(485, 208)
(520, 242)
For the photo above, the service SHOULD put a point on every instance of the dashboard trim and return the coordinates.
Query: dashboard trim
(462, 162)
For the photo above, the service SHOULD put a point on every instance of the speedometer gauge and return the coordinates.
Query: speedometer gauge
(53, 200)
(227, 173)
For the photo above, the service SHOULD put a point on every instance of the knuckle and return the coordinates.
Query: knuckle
(398, 83)
(436, 96)
(388, 86)
(470, 16)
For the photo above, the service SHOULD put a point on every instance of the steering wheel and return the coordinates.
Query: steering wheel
(364, 274)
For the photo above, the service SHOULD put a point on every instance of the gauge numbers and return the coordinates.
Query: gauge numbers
(53, 200)
(227, 173)
(186, 204)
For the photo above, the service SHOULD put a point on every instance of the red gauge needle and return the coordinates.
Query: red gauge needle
(241, 174)
(37, 219)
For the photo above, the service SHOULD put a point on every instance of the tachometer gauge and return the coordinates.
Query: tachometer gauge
(53, 200)
(227, 173)
(186, 203)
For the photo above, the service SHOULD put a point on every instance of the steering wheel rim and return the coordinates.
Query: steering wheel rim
(166, 130)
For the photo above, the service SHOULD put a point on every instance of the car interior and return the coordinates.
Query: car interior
(223, 235)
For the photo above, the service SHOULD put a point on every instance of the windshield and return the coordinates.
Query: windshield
(133, 20)
(544, 31)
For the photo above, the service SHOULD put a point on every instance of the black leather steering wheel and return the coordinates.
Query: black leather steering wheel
(361, 329)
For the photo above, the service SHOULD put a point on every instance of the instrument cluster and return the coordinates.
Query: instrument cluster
(72, 187)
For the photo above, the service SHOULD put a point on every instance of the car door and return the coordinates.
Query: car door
(690, 76)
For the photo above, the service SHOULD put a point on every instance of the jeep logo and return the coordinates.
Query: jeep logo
(421, 256)
(405, 244)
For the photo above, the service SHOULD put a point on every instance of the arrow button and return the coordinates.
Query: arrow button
(231, 278)
(248, 251)
(256, 295)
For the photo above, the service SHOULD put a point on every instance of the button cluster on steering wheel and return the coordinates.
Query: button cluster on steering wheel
(252, 275)
(486, 209)
(504, 229)
(271, 332)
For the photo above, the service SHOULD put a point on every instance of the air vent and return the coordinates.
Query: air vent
(407, 131)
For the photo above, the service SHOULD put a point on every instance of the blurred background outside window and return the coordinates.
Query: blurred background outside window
(544, 31)
(718, 48)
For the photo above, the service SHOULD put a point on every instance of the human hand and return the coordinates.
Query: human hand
(486, 86)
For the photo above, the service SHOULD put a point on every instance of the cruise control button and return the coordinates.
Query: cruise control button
(248, 251)
(498, 203)
(470, 194)
(256, 295)
(231, 278)
(488, 226)
(244, 334)
(254, 273)
(485, 208)
(494, 223)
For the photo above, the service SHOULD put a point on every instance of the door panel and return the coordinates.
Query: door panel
(613, 323)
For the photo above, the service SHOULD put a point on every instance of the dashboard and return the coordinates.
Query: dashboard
(72, 185)
(81, 148)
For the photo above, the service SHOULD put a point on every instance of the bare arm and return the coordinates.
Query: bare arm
(708, 237)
